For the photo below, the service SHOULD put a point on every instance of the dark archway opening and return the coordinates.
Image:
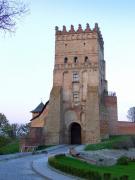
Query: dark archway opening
(75, 133)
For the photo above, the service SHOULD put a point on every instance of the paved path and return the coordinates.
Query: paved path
(19, 169)
(32, 167)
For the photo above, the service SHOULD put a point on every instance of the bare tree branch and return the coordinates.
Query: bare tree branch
(10, 12)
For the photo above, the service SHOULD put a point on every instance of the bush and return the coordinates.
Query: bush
(123, 160)
(60, 155)
(125, 143)
(107, 176)
(125, 177)
(81, 169)
(12, 147)
(76, 171)
(133, 139)
(4, 141)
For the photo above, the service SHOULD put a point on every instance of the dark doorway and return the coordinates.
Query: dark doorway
(75, 133)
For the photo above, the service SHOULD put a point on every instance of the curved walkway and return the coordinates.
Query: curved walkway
(40, 166)
(32, 167)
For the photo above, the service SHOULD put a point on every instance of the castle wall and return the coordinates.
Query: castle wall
(92, 123)
(53, 121)
(125, 128)
(104, 121)
(111, 106)
(38, 122)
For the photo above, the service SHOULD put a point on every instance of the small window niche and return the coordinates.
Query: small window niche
(86, 59)
(76, 98)
(65, 60)
(75, 59)
(75, 76)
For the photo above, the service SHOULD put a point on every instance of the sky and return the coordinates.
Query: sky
(27, 56)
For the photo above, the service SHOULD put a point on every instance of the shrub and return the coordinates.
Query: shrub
(60, 155)
(133, 140)
(124, 144)
(123, 160)
(4, 141)
(107, 176)
(76, 171)
(125, 177)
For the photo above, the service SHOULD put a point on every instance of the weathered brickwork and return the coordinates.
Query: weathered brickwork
(79, 86)
(80, 109)
(125, 128)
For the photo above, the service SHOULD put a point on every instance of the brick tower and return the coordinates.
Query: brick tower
(77, 112)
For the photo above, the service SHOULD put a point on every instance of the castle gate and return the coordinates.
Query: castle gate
(75, 131)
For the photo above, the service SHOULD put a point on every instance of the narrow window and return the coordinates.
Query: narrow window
(65, 60)
(75, 59)
(76, 96)
(75, 76)
(86, 59)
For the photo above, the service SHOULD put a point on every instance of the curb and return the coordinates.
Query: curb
(37, 172)
(53, 170)
(13, 156)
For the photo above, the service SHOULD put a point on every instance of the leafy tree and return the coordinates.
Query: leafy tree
(131, 114)
(16, 130)
(4, 123)
(12, 130)
(10, 12)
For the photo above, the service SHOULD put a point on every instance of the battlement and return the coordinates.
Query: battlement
(80, 30)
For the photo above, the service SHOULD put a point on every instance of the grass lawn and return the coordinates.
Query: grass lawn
(42, 147)
(116, 170)
(106, 144)
(12, 147)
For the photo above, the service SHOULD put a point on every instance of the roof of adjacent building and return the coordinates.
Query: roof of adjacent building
(39, 108)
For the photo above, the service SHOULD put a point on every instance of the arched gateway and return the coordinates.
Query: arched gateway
(75, 131)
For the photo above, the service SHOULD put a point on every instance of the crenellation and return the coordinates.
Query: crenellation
(79, 34)
(64, 29)
(88, 29)
(79, 30)
(72, 29)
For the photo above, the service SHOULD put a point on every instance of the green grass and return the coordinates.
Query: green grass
(116, 170)
(106, 144)
(43, 147)
(12, 147)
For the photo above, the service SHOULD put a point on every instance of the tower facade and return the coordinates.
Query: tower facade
(77, 112)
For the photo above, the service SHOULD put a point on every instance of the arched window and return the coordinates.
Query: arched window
(75, 59)
(86, 59)
(65, 60)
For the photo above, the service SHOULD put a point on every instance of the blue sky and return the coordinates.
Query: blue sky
(27, 57)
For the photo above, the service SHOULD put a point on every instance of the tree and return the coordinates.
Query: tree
(131, 114)
(3, 120)
(14, 130)
(4, 123)
(10, 12)
(23, 130)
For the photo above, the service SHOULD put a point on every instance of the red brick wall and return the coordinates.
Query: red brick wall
(125, 127)
(35, 138)
(111, 105)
